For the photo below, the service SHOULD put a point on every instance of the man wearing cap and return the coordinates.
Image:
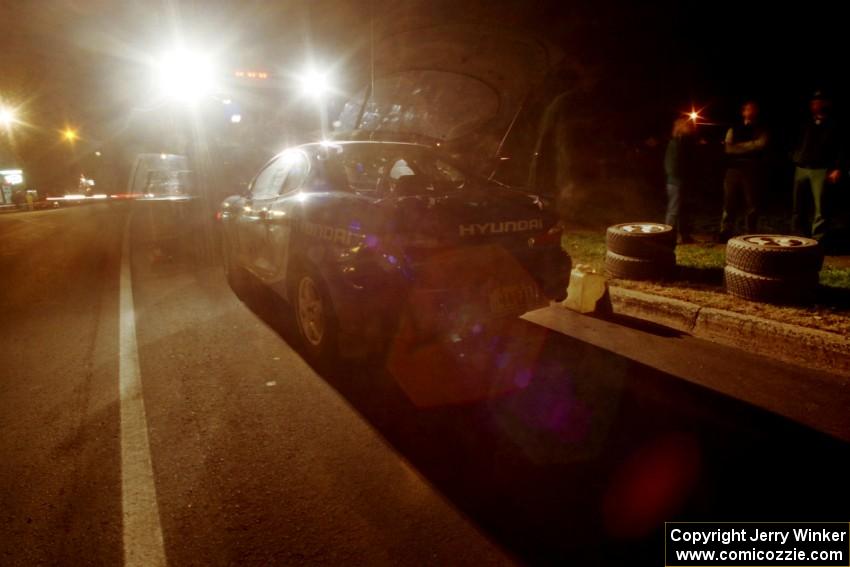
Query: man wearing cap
(819, 159)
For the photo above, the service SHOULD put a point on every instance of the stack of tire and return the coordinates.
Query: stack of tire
(640, 251)
(773, 268)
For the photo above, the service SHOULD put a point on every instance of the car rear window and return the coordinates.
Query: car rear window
(396, 169)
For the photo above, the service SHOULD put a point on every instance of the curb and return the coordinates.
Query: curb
(674, 313)
(810, 348)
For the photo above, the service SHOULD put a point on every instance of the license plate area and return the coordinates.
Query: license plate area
(516, 298)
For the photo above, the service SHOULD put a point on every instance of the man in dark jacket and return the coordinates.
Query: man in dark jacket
(678, 165)
(744, 145)
(819, 160)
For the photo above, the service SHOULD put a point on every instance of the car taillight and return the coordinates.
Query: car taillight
(218, 215)
(551, 237)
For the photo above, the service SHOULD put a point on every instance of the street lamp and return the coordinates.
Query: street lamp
(695, 115)
(70, 135)
(7, 117)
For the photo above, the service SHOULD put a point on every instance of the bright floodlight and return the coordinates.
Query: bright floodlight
(185, 75)
(314, 84)
(7, 117)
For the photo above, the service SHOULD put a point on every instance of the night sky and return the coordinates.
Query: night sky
(79, 62)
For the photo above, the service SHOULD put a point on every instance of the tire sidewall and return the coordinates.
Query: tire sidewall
(795, 290)
(774, 261)
(326, 351)
(645, 245)
(631, 268)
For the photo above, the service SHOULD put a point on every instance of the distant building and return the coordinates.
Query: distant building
(12, 180)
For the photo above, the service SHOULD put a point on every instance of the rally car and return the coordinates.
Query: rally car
(363, 238)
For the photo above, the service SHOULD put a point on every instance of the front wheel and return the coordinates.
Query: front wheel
(237, 277)
(315, 316)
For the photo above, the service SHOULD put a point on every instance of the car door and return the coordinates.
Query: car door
(251, 225)
(282, 213)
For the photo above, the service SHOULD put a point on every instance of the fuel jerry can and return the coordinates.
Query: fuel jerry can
(585, 290)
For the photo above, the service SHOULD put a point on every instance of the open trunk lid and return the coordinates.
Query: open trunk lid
(445, 81)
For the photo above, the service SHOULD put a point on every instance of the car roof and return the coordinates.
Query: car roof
(330, 143)
(313, 150)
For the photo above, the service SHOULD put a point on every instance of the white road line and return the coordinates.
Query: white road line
(143, 544)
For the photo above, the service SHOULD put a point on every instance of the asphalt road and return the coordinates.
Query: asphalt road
(536, 448)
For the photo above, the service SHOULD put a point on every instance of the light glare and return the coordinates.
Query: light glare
(7, 117)
(314, 84)
(185, 75)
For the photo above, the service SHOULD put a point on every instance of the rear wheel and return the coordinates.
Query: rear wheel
(315, 316)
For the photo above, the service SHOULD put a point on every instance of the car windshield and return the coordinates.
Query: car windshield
(168, 182)
(395, 169)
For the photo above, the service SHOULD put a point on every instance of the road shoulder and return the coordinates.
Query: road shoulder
(811, 397)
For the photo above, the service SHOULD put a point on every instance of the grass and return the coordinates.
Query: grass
(701, 282)
(701, 257)
(835, 277)
(586, 248)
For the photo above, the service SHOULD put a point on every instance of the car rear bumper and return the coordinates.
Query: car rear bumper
(369, 311)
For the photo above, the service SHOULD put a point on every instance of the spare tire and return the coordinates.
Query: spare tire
(774, 255)
(754, 287)
(648, 240)
(631, 268)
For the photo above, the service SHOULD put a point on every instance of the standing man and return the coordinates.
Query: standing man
(678, 165)
(818, 160)
(744, 146)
